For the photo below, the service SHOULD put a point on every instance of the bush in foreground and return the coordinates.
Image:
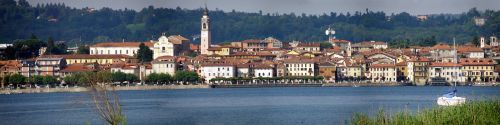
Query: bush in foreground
(470, 113)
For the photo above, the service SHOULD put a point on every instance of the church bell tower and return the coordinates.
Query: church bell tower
(205, 32)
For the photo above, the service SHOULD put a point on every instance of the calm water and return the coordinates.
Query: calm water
(230, 106)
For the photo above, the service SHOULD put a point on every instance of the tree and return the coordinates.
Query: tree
(17, 79)
(325, 45)
(188, 76)
(38, 80)
(50, 80)
(130, 78)
(152, 78)
(118, 77)
(51, 48)
(164, 78)
(83, 50)
(144, 54)
(475, 41)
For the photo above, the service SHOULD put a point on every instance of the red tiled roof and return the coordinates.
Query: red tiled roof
(419, 59)
(251, 41)
(464, 49)
(308, 45)
(165, 59)
(401, 64)
(298, 60)
(382, 65)
(470, 61)
(87, 56)
(194, 47)
(122, 44)
(444, 64)
(441, 46)
(78, 67)
(340, 41)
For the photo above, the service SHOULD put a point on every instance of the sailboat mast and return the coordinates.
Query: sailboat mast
(455, 60)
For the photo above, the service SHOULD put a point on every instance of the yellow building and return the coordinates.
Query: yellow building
(100, 59)
(222, 51)
(478, 70)
(402, 71)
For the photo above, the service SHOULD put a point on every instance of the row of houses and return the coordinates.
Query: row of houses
(370, 60)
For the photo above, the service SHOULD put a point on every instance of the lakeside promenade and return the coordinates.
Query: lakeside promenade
(206, 86)
(84, 89)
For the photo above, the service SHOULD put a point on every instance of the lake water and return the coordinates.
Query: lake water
(230, 106)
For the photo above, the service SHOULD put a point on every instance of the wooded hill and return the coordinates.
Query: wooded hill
(19, 20)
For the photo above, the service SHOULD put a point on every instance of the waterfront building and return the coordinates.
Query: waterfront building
(165, 65)
(478, 70)
(446, 70)
(328, 71)
(28, 67)
(214, 70)
(243, 70)
(402, 71)
(417, 70)
(10, 67)
(79, 67)
(49, 66)
(300, 67)
(262, 70)
(383, 72)
(118, 48)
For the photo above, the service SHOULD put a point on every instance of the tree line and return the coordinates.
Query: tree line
(87, 26)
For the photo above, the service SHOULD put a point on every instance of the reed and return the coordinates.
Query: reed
(485, 112)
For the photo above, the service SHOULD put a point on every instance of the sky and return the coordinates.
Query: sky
(414, 7)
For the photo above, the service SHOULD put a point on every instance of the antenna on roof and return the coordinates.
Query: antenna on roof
(123, 40)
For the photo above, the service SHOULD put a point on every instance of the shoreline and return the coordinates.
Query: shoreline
(84, 89)
(204, 86)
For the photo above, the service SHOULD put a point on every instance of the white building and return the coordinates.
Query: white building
(108, 48)
(163, 47)
(299, 67)
(214, 70)
(263, 70)
(383, 72)
(165, 65)
(243, 70)
(449, 71)
(471, 51)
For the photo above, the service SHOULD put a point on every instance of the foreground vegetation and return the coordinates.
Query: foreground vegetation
(471, 113)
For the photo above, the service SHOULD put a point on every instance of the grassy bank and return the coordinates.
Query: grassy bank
(472, 113)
